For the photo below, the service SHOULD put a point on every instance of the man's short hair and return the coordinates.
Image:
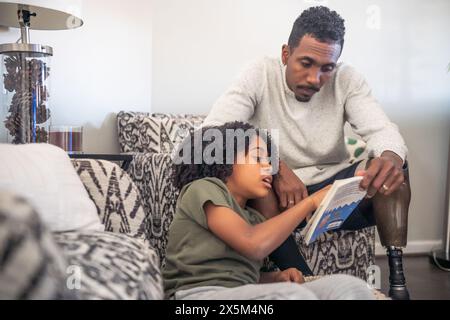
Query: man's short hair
(319, 22)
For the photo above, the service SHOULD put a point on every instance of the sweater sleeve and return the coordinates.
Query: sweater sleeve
(238, 103)
(368, 119)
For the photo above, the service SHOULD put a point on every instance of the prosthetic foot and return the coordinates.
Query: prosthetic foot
(391, 214)
(397, 290)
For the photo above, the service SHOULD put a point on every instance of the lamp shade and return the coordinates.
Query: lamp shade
(50, 14)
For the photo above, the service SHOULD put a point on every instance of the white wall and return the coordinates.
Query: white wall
(179, 56)
(199, 46)
(99, 69)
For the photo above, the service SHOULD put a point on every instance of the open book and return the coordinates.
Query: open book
(343, 197)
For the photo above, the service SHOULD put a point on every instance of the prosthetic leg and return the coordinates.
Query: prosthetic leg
(391, 215)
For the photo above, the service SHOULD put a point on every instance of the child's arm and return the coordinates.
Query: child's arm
(257, 242)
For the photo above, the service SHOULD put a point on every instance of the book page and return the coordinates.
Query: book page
(335, 208)
(346, 194)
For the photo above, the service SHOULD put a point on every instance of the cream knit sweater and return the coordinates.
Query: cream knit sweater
(311, 134)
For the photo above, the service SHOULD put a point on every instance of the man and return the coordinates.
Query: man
(308, 97)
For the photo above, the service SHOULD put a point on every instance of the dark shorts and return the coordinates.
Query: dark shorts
(362, 216)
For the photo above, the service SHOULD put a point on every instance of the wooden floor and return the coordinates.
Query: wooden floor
(424, 280)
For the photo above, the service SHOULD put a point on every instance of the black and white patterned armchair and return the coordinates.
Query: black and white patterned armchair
(152, 137)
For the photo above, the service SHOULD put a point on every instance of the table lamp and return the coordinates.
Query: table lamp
(25, 67)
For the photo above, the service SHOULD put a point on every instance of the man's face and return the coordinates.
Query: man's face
(309, 66)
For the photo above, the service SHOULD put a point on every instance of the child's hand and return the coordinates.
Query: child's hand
(289, 275)
(317, 197)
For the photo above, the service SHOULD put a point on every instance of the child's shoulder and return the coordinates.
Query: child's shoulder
(196, 193)
(206, 185)
(207, 182)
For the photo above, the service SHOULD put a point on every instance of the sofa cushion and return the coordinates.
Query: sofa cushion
(112, 266)
(44, 175)
(155, 133)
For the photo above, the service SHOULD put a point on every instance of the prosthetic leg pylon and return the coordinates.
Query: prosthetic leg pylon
(391, 215)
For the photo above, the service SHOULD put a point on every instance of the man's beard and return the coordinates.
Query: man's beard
(306, 98)
(303, 99)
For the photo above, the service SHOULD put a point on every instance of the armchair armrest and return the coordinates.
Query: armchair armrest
(151, 172)
(116, 197)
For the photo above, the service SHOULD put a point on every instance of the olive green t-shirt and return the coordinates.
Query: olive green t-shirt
(195, 257)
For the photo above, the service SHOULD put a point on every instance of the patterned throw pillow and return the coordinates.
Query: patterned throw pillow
(154, 133)
(116, 197)
(356, 147)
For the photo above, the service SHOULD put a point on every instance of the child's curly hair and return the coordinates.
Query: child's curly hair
(184, 173)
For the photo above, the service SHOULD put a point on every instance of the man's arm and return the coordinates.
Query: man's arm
(288, 190)
(384, 142)
(368, 119)
(288, 187)
(239, 102)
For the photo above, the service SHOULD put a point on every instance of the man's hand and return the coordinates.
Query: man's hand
(384, 175)
(288, 187)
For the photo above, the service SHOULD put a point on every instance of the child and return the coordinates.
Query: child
(217, 243)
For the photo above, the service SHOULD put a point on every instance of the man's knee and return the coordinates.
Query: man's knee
(399, 199)
(401, 196)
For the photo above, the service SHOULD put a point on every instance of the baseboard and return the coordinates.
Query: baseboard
(413, 247)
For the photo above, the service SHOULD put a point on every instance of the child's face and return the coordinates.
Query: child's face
(252, 173)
